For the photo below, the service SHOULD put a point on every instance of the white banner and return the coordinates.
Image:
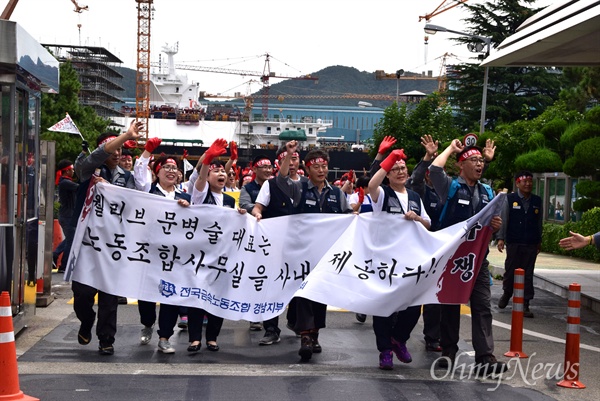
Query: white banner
(143, 246)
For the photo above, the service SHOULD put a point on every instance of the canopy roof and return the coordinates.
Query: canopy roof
(561, 35)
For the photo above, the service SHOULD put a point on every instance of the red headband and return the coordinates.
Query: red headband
(523, 177)
(158, 166)
(262, 162)
(60, 172)
(469, 153)
(108, 139)
(316, 160)
(284, 154)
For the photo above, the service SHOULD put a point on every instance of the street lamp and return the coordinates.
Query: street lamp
(399, 73)
(431, 29)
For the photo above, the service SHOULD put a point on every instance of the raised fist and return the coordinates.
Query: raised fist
(152, 144)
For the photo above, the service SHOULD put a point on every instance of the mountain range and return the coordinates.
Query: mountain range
(332, 82)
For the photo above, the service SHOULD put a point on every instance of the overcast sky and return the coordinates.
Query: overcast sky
(302, 36)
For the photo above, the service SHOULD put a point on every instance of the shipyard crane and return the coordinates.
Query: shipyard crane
(265, 77)
(442, 78)
(145, 10)
(79, 9)
(444, 6)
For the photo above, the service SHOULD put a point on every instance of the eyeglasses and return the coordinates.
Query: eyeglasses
(397, 170)
(477, 160)
(169, 168)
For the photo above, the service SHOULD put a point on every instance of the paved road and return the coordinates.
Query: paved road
(53, 366)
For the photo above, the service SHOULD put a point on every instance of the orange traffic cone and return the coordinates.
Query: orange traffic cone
(571, 368)
(9, 385)
(516, 329)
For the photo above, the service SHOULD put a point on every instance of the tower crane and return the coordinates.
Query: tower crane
(442, 80)
(79, 9)
(145, 10)
(444, 6)
(265, 77)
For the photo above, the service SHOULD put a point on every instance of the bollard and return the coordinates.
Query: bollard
(9, 384)
(516, 326)
(571, 368)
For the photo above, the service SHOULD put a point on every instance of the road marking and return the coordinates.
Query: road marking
(544, 336)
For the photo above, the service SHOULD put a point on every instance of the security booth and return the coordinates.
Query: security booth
(26, 70)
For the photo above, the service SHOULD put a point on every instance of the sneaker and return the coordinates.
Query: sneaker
(269, 338)
(183, 323)
(401, 351)
(256, 326)
(122, 300)
(489, 365)
(433, 346)
(165, 347)
(316, 347)
(106, 349)
(306, 349)
(205, 320)
(503, 301)
(146, 335)
(84, 336)
(386, 360)
(361, 317)
(447, 360)
(526, 311)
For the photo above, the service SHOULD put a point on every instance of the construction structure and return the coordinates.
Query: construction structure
(100, 81)
(145, 9)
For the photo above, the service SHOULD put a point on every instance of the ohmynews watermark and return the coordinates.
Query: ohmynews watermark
(529, 372)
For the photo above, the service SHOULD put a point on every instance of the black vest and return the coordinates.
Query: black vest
(228, 201)
(253, 189)
(523, 225)
(459, 207)
(391, 203)
(178, 194)
(328, 202)
(433, 207)
(280, 204)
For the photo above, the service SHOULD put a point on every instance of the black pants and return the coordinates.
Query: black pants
(481, 319)
(167, 319)
(310, 315)
(83, 304)
(432, 316)
(213, 326)
(519, 256)
(398, 326)
(147, 311)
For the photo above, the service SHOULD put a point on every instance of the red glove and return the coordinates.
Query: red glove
(152, 144)
(395, 156)
(233, 150)
(351, 176)
(361, 195)
(130, 144)
(218, 148)
(386, 144)
(185, 154)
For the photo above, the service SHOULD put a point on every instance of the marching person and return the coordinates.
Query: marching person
(208, 190)
(272, 202)
(521, 233)
(313, 196)
(67, 194)
(463, 197)
(392, 332)
(165, 169)
(106, 158)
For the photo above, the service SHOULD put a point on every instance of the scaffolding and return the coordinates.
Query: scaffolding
(100, 81)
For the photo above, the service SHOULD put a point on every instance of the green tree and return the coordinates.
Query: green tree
(54, 107)
(513, 93)
(410, 122)
(582, 87)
